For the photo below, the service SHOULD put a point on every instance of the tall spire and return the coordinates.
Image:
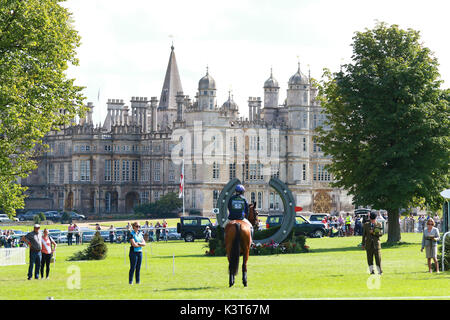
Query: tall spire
(172, 84)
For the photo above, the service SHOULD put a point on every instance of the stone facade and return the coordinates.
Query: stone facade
(109, 168)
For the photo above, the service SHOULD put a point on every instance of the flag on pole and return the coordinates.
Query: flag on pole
(180, 195)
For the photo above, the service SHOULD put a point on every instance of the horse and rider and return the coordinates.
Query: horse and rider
(239, 232)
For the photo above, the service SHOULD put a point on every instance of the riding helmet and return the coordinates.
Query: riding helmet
(240, 188)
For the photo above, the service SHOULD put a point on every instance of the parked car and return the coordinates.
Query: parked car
(317, 217)
(193, 227)
(74, 216)
(87, 234)
(59, 237)
(302, 226)
(29, 215)
(173, 234)
(52, 216)
(5, 218)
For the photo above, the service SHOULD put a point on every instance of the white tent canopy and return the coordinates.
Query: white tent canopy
(446, 194)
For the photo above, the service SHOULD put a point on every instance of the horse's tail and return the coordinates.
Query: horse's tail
(235, 251)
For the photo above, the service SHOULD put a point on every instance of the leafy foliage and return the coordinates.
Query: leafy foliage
(167, 206)
(37, 43)
(65, 217)
(388, 123)
(96, 250)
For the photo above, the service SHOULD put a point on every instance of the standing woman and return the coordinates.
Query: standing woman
(137, 242)
(429, 242)
(48, 247)
(112, 233)
(76, 230)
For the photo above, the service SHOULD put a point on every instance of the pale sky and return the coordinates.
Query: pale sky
(126, 44)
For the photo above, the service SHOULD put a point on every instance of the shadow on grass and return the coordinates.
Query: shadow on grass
(338, 249)
(189, 289)
(384, 245)
(401, 244)
(179, 256)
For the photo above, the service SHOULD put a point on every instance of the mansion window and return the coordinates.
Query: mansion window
(304, 172)
(116, 170)
(107, 170)
(85, 170)
(233, 143)
(51, 148)
(255, 171)
(125, 170)
(255, 143)
(216, 171)
(61, 148)
(232, 167)
(320, 173)
(145, 196)
(171, 172)
(274, 144)
(157, 171)
(61, 173)
(146, 170)
(274, 201)
(316, 146)
(252, 197)
(259, 202)
(275, 171)
(134, 170)
(51, 173)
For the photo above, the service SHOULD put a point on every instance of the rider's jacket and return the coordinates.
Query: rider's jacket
(237, 207)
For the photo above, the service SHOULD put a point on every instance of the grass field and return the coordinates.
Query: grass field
(335, 268)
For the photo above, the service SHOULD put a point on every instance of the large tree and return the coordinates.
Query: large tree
(387, 126)
(37, 44)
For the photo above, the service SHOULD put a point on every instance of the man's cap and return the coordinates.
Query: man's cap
(37, 226)
(373, 215)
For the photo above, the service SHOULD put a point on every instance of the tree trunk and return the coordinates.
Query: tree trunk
(393, 226)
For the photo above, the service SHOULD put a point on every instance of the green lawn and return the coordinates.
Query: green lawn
(335, 268)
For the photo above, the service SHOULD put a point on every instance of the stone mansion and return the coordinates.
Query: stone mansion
(110, 168)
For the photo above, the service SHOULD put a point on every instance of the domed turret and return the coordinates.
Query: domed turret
(207, 82)
(271, 82)
(271, 89)
(298, 78)
(230, 104)
(207, 92)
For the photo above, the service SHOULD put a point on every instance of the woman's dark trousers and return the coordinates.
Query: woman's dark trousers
(135, 266)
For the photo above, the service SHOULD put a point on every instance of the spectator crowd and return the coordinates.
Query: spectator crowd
(344, 225)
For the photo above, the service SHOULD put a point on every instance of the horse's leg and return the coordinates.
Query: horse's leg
(244, 268)
(229, 236)
(245, 254)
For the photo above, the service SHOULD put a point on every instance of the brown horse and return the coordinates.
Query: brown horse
(237, 241)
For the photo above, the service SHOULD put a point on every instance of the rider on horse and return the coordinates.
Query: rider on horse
(238, 207)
